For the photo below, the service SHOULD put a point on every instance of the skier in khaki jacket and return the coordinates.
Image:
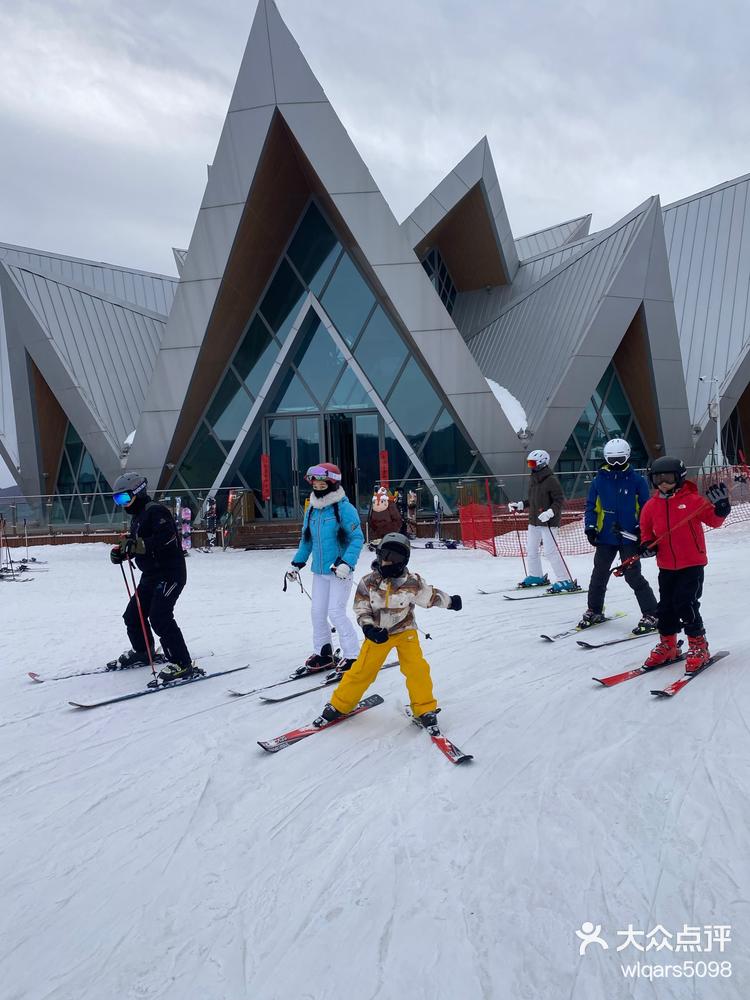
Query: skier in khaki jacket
(384, 607)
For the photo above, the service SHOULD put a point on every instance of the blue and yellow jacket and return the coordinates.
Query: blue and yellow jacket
(615, 499)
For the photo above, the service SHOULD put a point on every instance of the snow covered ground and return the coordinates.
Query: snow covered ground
(152, 850)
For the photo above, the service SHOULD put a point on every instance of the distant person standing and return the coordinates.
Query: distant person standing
(544, 505)
(613, 508)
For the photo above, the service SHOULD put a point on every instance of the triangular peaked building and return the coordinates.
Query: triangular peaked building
(307, 324)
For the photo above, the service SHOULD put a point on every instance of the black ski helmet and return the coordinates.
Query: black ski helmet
(127, 486)
(393, 554)
(667, 464)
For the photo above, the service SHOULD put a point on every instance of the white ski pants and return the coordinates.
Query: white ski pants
(541, 537)
(329, 601)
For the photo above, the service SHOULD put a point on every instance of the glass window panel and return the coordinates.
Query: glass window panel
(249, 466)
(350, 394)
(75, 450)
(601, 390)
(87, 474)
(595, 453)
(65, 478)
(72, 436)
(282, 301)
(314, 249)
(615, 413)
(228, 411)
(318, 360)
(280, 451)
(368, 457)
(584, 427)
(446, 451)
(398, 461)
(381, 352)
(308, 447)
(255, 355)
(414, 404)
(202, 462)
(292, 396)
(347, 300)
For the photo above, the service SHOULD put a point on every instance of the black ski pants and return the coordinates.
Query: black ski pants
(604, 556)
(158, 596)
(679, 601)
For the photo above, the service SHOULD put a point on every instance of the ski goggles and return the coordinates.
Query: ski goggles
(319, 472)
(664, 477)
(123, 499)
(532, 463)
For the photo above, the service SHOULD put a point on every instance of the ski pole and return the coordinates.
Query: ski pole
(125, 581)
(631, 560)
(570, 576)
(4, 539)
(520, 546)
(26, 537)
(140, 615)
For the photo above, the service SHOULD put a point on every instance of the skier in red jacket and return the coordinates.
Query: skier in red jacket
(672, 529)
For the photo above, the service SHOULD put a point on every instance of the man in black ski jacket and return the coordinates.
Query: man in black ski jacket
(154, 544)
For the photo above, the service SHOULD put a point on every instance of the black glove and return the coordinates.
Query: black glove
(132, 547)
(115, 555)
(647, 550)
(718, 495)
(298, 565)
(456, 603)
(375, 634)
(591, 534)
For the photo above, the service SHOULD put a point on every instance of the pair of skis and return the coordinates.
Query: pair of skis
(164, 686)
(446, 747)
(671, 689)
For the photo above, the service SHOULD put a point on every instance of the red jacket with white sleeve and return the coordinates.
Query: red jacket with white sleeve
(676, 521)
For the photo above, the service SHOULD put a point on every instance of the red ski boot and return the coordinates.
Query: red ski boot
(665, 651)
(698, 654)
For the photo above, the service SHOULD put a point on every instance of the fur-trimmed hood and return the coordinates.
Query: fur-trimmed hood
(328, 499)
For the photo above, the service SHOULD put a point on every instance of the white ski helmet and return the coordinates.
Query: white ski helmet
(537, 459)
(617, 452)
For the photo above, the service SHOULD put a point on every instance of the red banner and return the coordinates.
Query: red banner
(384, 468)
(265, 477)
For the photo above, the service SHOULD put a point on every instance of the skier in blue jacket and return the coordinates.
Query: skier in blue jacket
(616, 497)
(332, 534)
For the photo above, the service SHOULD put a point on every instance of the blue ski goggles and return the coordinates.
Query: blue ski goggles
(122, 499)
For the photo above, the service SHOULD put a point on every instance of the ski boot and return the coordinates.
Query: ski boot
(176, 672)
(429, 721)
(327, 716)
(648, 623)
(698, 653)
(564, 587)
(665, 651)
(341, 668)
(534, 581)
(591, 618)
(131, 658)
(324, 660)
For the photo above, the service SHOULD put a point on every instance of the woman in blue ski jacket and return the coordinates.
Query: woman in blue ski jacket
(613, 509)
(332, 535)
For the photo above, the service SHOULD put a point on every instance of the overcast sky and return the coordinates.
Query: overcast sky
(110, 110)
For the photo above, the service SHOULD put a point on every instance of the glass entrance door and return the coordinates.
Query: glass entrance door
(293, 445)
(353, 443)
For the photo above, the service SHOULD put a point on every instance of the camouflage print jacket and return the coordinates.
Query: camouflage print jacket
(390, 603)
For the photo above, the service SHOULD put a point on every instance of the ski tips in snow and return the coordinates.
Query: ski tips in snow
(163, 687)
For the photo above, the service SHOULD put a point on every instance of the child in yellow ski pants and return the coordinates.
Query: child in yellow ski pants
(372, 656)
(384, 607)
